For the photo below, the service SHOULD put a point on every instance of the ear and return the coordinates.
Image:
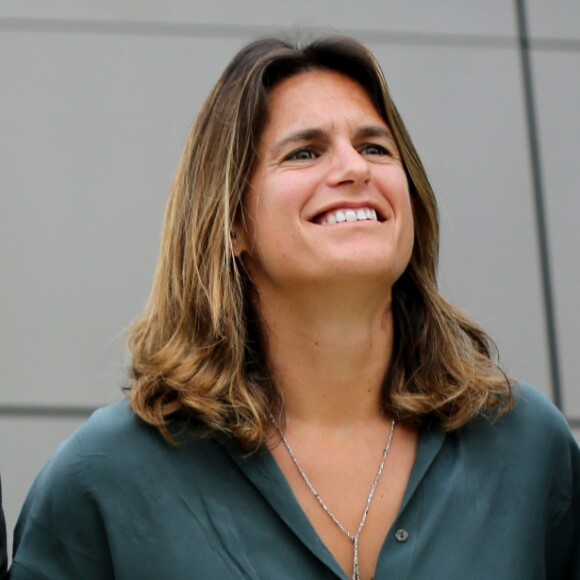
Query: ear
(239, 239)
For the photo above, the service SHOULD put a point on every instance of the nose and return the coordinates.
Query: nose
(348, 166)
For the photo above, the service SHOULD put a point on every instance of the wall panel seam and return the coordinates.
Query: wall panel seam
(81, 411)
(49, 411)
(208, 30)
(539, 205)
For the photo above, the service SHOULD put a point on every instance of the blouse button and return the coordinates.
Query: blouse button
(401, 535)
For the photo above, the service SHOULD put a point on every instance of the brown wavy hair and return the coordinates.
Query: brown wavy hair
(198, 353)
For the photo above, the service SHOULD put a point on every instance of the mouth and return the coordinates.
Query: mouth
(347, 215)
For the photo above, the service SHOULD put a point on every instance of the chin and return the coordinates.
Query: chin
(374, 263)
(363, 273)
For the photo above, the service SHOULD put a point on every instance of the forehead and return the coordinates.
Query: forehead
(317, 97)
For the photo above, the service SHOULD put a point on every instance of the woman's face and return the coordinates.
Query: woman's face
(329, 198)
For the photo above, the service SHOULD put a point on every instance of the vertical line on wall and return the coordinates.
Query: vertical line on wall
(538, 191)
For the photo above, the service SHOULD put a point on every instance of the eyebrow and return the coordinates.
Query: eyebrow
(310, 134)
(314, 133)
(375, 131)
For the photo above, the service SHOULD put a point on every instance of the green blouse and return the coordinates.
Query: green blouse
(491, 501)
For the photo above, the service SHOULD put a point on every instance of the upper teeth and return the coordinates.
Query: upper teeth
(349, 215)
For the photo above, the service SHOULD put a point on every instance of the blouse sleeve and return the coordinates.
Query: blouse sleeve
(60, 532)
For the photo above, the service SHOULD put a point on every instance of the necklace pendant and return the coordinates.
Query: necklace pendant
(355, 572)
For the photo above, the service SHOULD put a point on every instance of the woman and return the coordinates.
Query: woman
(305, 404)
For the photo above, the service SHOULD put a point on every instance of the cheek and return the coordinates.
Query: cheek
(409, 230)
(267, 229)
(272, 198)
(410, 239)
(404, 207)
(285, 197)
(276, 210)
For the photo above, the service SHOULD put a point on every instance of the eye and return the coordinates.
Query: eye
(374, 149)
(303, 154)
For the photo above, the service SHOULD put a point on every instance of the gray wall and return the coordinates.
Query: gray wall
(95, 104)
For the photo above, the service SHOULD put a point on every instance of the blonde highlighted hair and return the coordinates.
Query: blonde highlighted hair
(198, 352)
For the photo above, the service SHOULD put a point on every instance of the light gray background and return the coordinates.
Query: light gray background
(95, 103)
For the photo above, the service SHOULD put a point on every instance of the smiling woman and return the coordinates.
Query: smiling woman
(304, 402)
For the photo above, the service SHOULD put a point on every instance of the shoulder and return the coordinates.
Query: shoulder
(535, 420)
(104, 444)
(531, 446)
(103, 485)
(546, 449)
(63, 511)
(532, 405)
(111, 436)
(115, 443)
(112, 426)
(537, 426)
(107, 456)
(533, 440)
(532, 417)
(115, 455)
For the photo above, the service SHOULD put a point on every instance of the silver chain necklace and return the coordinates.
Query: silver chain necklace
(354, 538)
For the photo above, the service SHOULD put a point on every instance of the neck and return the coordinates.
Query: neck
(329, 353)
